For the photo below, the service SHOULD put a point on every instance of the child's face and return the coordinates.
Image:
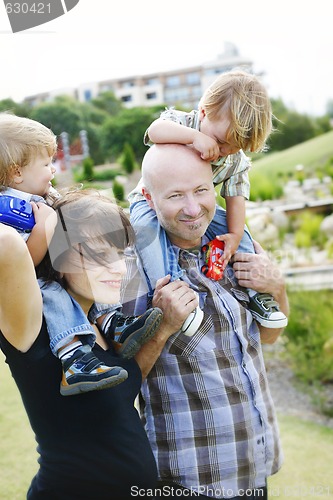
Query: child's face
(218, 130)
(35, 178)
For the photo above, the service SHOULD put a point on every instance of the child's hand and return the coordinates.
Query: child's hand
(206, 146)
(45, 217)
(231, 243)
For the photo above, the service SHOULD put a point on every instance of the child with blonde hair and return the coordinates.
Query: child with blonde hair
(27, 149)
(234, 116)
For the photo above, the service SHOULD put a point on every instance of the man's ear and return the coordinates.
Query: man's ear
(16, 175)
(148, 197)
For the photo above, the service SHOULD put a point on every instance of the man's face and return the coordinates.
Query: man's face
(184, 200)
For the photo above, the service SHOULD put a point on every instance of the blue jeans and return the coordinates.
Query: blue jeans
(155, 249)
(64, 317)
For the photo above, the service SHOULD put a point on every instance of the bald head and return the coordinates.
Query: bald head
(161, 160)
(178, 185)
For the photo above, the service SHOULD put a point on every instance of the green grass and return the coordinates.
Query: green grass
(310, 154)
(269, 173)
(306, 473)
(18, 456)
(307, 469)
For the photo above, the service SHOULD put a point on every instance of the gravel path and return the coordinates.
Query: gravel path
(288, 399)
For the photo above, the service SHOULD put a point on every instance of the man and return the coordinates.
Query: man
(205, 402)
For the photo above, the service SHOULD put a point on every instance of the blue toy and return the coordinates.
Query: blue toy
(17, 213)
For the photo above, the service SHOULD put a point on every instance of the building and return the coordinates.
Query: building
(176, 87)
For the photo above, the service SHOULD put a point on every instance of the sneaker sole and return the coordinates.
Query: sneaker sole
(279, 323)
(134, 342)
(81, 387)
(193, 326)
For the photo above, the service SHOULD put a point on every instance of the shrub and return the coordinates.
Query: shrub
(118, 191)
(128, 159)
(88, 169)
(308, 232)
(262, 188)
(309, 329)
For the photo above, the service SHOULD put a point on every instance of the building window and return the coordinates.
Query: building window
(106, 88)
(128, 84)
(177, 94)
(193, 78)
(172, 81)
(151, 95)
(126, 98)
(196, 91)
(150, 82)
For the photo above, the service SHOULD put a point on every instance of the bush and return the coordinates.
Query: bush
(262, 188)
(118, 191)
(128, 159)
(309, 330)
(88, 169)
(308, 233)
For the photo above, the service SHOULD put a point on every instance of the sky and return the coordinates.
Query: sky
(291, 41)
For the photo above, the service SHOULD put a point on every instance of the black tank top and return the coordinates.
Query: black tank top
(92, 446)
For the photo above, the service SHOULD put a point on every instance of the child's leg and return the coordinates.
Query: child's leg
(262, 306)
(219, 226)
(127, 333)
(72, 322)
(71, 339)
(157, 255)
(152, 245)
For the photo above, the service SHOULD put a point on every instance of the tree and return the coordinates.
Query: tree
(292, 128)
(66, 114)
(107, 102)
(128, 159)
(118, 190)
(59, 116)
(15, 108)
(128, 126)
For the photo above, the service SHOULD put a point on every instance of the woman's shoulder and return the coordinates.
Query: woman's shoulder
(38, 349)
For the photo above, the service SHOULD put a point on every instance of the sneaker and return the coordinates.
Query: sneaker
(266, 311)
(132, 332)
(192, 322)
(83, 372)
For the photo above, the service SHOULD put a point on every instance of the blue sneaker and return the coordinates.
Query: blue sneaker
(83, 372)
(129, 333)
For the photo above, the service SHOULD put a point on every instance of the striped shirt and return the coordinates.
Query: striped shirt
(206, 404)
(232, 171)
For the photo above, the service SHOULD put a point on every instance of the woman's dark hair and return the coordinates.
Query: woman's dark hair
(84, 218)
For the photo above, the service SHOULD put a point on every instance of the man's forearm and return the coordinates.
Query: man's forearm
(149, 353)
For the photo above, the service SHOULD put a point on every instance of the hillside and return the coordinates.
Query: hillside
(311, 154)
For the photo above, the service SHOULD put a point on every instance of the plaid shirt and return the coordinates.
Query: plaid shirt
(230, 171)
(206, 404)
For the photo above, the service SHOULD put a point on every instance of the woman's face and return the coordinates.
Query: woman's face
(95, 280)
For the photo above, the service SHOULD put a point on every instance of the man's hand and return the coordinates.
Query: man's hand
(258, 272)
(176, 299)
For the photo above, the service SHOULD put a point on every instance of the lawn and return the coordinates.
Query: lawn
(17, 444)
(310, 154)
(271, 171)
(306, 473)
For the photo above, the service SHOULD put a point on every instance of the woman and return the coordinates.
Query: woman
(94, 445)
